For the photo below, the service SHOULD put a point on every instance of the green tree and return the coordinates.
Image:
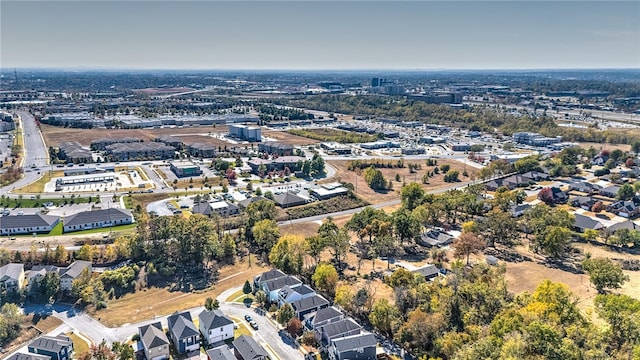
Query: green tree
(85, 253)
(123, 350)
(621, 312)
(325, 278)
(211, 304)
(526, 164)
(555, 242)
(285, 313)
(384, 316)
(406, 226)
(265, 234)
(247, 288)
(467, 244)
(451, 176)
(625, 192)
(288, 254)
(49, 285)
(261, 297)
(374, 178)
(412, 195)
(604, 273)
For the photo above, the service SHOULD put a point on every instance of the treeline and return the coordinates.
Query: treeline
(332, 135)
(279, 113)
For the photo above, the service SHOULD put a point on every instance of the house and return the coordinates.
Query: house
(583, 202)
(246, 348)
(273, 287)
(515, 181)
(308, 305)
(559, 196)
(221, 208)
(22, 356)
(585, 187)
(57, 348)
(248, 201)
(627, 224)
(74, 152)
(628, 209)
(338, 329)
(435, 238)
(322, 317)
(519, 210)
(154, 341)
(96, 219)
(429, 271)
(583, 223)
(27, 224)
(260, 280)
(215, 326)
(354, 347)
(536, 175)
(37, 272)
(184, 335)
(72, 272)
(220, 353)
(272, 147)
(12, 277)
(289, 199)
(493, 185)
(610, 191)
(288, 295)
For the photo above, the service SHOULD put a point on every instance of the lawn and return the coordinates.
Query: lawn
(242, 328)
(38, 185)
(57, 230)
(119, 228)
(80, 346)
(239, 296)
(135, 307)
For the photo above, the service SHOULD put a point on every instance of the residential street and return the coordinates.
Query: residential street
(75, 320)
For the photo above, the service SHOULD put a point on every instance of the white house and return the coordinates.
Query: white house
(12, 277)
(215, 326)
(72, 272)
(288, 295)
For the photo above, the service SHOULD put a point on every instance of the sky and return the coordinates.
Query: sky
(299, 35)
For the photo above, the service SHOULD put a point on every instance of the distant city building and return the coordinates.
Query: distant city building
(101, 144)
(277, 148)
(244, 132)
(382, 144)
(201, 150)
(535, 139)
(336, 148)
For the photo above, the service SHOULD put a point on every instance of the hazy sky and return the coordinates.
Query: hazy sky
(320, 34)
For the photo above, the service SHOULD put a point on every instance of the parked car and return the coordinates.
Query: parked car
(248, 318)
(254, 325)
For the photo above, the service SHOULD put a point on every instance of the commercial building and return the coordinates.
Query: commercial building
(380, 145)
(244, 132)
(27, 224)
(327, 191)
(276, 148)
(535, 139)
(139, 151)
(101, 144)
(133, 122)
(96, 219)
(83, 120)
(201, 150)
(336, 148)
(108, 177)
(182, 169)
(169, 140)
(280, 163)
(460, 146)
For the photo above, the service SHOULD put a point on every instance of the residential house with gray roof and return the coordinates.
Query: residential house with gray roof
(272, 287)
(337, 329)
(215, 326)
(12, 277)
(261, 279)
(288, 295)
(354, 347)
(72, 272)
(220, 353)
(246, 348)
(57, 348)
(22, 356)
(154, 341)
(322, 317)
(183, 332)
(308, 305)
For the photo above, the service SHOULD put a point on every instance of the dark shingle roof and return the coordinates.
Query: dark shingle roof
(279, 283)
(88, 217)
(50, 343)
(288, 199)
(220, 353)
(214, 319)
(181, 325)
(628, 224)
(246, 202)
(249, 348)
(340, 327)
(427, 270)
(21, 356)
(325, 314)
(22, 221)
(152, 336)
(270, 275)
(301, 289)
(354, 342)
(585, 222)
(309, 303)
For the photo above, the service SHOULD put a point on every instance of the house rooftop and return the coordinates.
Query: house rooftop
(181, 325)
(11, 271)
(152, 335)
(248, 348)
(220, 353)
(214, 319)
(354, 342)
(309, 303)
(88, 217)
(50, 343)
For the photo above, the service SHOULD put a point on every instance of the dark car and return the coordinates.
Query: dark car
(248, 318)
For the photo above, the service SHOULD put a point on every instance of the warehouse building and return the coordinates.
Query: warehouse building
(244, 132)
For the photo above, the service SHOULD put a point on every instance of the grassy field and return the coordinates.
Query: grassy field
(57, 230)
(80, 346)
(326, 134)
(373, 197)
(239, 296)
(287, 138)
(136, 306)
(38, 186)
(54, 135)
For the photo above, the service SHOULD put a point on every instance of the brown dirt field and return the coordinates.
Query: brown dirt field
(128, 308)
(373, 197)
(54, 135)
(600, 146)
(288, 138)
(305, 229)
(205, 139)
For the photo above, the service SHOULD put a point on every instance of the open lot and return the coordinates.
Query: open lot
(32, 327)
(54, 135)
(135, 307)
(600, 146)
(288, 138)
(373, 197)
